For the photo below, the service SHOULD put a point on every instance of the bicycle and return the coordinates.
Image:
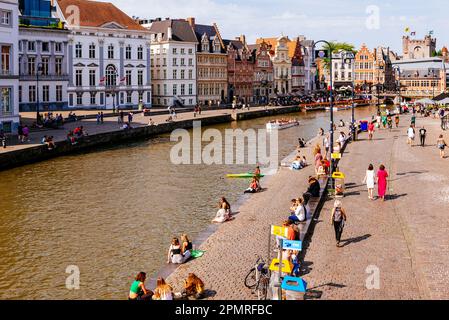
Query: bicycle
(258, 279)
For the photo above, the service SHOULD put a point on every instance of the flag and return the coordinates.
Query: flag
(102, 80)
(123, 80)
(413, 33)
(431, 32)
(407, 30)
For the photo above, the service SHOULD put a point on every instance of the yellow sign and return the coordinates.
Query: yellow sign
(336, 156)
(287, 266)
(279, 231)
(338, 175)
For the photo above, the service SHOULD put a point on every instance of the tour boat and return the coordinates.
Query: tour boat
(339, 108)
(281, 125)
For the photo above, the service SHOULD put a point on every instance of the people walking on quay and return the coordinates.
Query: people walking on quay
(413, 121)
(396, 120)
(441, 114)
(98, 118)
(369, 180)
(371, 130)
(384, 121)
(390, 122)
(318, 157)
(422, 136)
(3, 138)
(20, 133)
(382, 182)
(326, 145)
(321, 132)
(130, 118)
(101, 117)
(441, 143)
(138, 291)
(378, 120)
(26, 133)
(338, 220)
(411, 135)
(121, 117)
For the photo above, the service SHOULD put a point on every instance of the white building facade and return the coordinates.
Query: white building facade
(174, 63)
(109, 60)
(9, 76)
(43, 68)
(309, 60)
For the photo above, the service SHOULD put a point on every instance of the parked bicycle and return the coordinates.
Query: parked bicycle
(258, 279)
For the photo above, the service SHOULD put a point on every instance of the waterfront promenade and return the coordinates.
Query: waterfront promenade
(405, 237)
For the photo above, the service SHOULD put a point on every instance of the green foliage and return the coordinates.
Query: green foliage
(335, 48)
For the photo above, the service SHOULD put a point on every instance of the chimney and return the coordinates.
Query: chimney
(169, 33)
(191, 21)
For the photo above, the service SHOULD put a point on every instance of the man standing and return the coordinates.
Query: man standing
(422, 135)
(441, 114)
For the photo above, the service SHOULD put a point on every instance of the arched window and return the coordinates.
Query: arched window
(111, 75)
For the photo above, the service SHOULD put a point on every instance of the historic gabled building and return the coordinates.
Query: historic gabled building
(9, 76)
(418, 48)
(211, 58)
(173, 48)
(298, 68)
(263, 72)
(43, 52)
(240, 71)
(108, 56)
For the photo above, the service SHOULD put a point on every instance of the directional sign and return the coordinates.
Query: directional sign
(336, 156)
(292, 245)
(279, 231)
(294, 284)
(287, 266)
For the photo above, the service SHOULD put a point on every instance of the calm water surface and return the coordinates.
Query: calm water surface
(113, 212)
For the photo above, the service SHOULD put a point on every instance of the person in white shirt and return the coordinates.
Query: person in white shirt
(370, 180)
(411, 136)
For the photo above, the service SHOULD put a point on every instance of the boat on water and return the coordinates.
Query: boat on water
(281, 125)
(339, 108)
(248, 175)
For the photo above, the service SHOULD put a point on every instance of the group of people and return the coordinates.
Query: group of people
(197, 111)
(180, 251)
(48, 141)
(100, 117)
(23, 133)
(50, 120)
(381, 177)
(193, 287)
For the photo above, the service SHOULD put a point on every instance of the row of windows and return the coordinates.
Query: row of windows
(32, 46)
(364, 65)
(111, 78)
(211, 60)
(211, 89)
(44, 94)
(110, 52)
(174, 62)
(31, 66)
(215, 73)
(162, 75)
(423, 83)
(174, 51)
(182, 89)
(125, 98)
(164, 102)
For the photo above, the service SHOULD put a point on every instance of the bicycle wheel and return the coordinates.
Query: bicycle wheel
(250, 279)
(263, 286)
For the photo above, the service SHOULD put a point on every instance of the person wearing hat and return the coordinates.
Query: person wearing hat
(338, 219)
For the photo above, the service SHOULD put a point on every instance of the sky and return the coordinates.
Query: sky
(373, 22)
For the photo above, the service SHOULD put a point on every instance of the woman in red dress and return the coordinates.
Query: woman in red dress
(382, 177)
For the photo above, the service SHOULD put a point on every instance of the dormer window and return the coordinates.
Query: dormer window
(205, 43)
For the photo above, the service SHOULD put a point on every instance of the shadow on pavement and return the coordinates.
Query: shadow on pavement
(347, 242)
(396, 196)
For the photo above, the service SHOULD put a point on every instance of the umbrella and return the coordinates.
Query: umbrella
(425, 101)
(444, 101)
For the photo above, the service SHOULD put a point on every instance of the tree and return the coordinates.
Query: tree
(335, 48)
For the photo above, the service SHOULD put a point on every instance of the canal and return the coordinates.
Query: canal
(113, 212)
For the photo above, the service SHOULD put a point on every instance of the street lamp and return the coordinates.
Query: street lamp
(39, 69)
(322, 54)
(348, 57)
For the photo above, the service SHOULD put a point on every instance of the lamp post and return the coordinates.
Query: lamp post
(348, 58)
(397, 70)
(39, 69)
(322, 54)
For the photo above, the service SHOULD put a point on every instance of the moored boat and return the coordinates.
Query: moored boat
(281, 125)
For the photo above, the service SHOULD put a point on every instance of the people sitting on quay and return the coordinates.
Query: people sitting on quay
(299, 163)
(79, 132)
(175, 253)
(224, 213)
(48, 140)
(138, 291)
(254, 187)
(71, 138)
(126, 126)
(163, 291)
(72, 116)
(300, 213)
(314, 188)
(301, 143)
(193, 287)
(151, 123)
(186, 247)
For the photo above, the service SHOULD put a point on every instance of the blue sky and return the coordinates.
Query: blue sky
(326, 19)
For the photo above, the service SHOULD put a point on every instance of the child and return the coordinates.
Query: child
(296, 264)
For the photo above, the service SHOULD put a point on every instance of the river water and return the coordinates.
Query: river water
(113, 212)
